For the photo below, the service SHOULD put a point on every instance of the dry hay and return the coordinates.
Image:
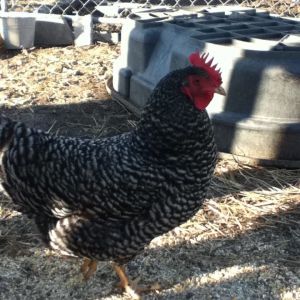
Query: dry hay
(32, 77)
(253, 197)
(244, 198)
(288, 8)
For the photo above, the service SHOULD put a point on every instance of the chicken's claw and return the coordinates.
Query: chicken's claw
(88, 268)
(131, 287)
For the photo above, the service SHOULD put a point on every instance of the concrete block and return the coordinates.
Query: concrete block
(52, 30)
(111, 37)
(17, 29)
(108, 10)
(83, 30)
(2, 45)
(43, 9)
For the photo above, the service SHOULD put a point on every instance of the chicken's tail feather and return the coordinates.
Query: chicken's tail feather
(6, 131)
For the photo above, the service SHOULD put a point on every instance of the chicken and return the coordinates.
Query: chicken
(106, 199)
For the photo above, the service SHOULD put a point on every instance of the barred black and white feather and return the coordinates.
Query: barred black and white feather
(106, 199)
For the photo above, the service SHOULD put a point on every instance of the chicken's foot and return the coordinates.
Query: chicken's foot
(131, 287)
(88, 268)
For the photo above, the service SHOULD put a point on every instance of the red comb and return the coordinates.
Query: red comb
(200, 61)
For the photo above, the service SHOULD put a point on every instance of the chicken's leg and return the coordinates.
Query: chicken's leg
(88, 268)
(124, 281)
(131, 287)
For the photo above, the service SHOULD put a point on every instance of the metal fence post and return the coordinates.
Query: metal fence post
(3, 5)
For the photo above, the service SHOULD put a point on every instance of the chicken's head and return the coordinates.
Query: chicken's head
(201, 86)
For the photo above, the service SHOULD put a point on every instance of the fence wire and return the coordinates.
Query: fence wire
(82, 7)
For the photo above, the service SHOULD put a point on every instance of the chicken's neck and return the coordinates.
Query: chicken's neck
(173, 131)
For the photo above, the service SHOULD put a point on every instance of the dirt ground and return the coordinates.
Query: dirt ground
(243, 244)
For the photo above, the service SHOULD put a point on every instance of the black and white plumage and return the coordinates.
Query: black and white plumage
(106, 199)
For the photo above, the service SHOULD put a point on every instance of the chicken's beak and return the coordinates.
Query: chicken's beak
(220, 90)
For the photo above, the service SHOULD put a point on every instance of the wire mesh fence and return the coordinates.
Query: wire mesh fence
(82, 7)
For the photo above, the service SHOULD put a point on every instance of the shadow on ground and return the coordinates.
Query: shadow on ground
(86, 119)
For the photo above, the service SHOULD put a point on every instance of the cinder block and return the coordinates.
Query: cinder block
(111, 37)
(83, 30)
(17, 29)
(52, 30)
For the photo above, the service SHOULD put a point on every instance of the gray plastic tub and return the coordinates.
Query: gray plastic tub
(259, 120)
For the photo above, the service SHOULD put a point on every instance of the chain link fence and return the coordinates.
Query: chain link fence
(289, 8)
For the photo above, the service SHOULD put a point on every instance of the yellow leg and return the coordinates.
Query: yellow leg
(88, 268)
(124, 281)
(131, 287)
